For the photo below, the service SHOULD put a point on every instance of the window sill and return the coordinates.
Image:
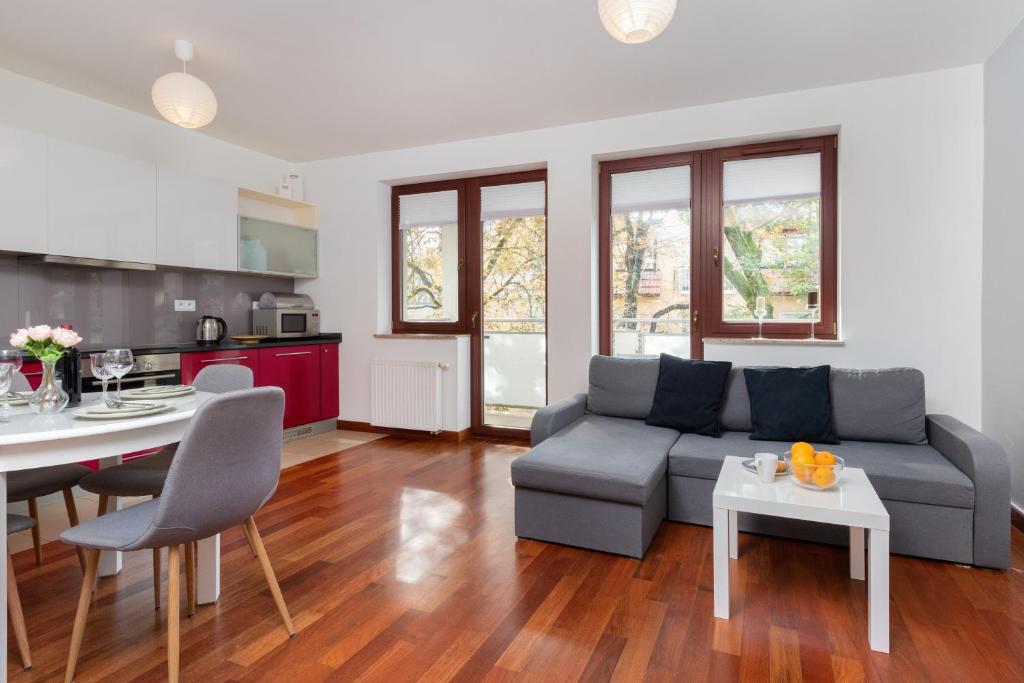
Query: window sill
(774, 342)
(418, 335)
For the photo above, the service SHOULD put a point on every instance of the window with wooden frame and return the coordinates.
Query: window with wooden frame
(428, 257)
(758, 224)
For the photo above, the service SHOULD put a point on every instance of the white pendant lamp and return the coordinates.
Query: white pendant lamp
(635, 21)
(180, 97)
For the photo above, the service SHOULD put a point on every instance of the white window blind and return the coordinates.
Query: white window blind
(657, 189)
(427, 209)
(518, 200)
(787, 177)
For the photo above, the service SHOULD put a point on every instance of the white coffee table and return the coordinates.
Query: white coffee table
(853, 503)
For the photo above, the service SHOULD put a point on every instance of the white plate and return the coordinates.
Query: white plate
(749, 466)
(146, 393)
(22, 399)
(104, 413)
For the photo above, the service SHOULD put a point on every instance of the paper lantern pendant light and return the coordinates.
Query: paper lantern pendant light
(180, 97)
(635, 21)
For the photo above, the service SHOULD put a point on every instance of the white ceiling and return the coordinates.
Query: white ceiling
(310, 79)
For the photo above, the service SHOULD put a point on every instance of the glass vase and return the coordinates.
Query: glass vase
(50, 398)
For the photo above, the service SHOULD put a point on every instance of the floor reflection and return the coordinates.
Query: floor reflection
(429, 532)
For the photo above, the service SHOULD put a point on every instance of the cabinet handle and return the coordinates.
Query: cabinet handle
(293, 353)
(33, 374)
(127, 380)
(221, 360)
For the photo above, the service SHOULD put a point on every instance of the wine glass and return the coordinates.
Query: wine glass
(760, 311)
(10, 358)
(120, 362)
(6, 375)
(100, 371)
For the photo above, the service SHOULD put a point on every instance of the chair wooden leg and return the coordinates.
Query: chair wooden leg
(156, 578)
(17, 616)
(190, 577)
(92, 561)
(173, 611)
(101, 509)
(268, 573)
(37, 540)
(248, 539)
(69, 503)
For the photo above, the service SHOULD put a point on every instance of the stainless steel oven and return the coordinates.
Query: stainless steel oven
(149, 370)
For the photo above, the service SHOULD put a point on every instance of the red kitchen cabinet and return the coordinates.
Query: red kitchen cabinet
(33, 371)
(329, 381)
(296, 369)
(192, 363)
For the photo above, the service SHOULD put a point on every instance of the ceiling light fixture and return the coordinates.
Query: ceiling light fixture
(180, 97)
(635, 21)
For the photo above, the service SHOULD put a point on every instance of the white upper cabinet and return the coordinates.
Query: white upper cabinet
(22, 190)
(100, 205)
(196, 221)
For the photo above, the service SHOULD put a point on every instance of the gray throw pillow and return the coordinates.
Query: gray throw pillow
(879, 405)
(622, 387)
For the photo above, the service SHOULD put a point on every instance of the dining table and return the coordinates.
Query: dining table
(30, 440)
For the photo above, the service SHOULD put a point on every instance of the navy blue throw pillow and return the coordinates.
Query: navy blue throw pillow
(688, 395)
(791, 404)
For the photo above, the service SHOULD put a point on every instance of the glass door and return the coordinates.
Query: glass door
(508, 295)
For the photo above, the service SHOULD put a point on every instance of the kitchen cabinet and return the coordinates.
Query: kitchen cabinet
(276, 248)
(22, 190)
(296, 369)
(33, 371)
(192, 363)
(99, 205)
(196, 221)
(329, 400)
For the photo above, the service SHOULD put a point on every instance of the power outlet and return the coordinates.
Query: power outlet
(184, 305)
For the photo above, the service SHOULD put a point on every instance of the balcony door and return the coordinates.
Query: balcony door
(507, 295)
(648, 279)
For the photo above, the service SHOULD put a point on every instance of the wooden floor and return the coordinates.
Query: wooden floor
(399, 563)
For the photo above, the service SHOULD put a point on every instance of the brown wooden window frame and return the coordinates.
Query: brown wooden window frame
(399, 326)
(706, 240)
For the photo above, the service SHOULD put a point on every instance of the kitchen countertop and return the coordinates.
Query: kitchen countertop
(226, 345)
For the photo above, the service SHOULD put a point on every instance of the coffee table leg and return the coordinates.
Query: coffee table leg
(856, 553)
(721, 553)
(734, 535)
(878, 590)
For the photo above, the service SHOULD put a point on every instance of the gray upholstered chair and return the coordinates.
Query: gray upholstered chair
(226, 467)
(28, 485)
(16, 523)
(145, 476)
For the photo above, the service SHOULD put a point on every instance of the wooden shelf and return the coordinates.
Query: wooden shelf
(272, 207)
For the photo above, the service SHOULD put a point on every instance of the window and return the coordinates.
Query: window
(428, 278)
(693, 244)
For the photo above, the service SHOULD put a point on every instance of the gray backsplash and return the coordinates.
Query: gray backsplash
(129, 307)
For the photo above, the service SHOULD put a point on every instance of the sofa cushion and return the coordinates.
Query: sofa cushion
(735, 415)
(622, 387)
(607, 458)
(903, 472)
(688, 395)
(879, 405)
(791, 404)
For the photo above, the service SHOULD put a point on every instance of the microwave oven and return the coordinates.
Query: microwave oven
(284, 322)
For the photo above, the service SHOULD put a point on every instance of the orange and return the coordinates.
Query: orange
(801, 448)
(823, 477)
(803, 472)
(824, 458)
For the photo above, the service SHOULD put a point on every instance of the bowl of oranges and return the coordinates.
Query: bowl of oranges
(818, 470)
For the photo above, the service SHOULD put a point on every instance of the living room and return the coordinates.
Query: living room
(576, 276)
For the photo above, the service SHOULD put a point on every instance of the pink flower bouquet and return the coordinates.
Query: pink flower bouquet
(46, 343)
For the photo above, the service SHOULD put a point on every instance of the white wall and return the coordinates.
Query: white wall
(1002, 318)
(910, 186)
(33, 105)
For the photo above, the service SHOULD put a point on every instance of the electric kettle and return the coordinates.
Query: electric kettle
(211, 330)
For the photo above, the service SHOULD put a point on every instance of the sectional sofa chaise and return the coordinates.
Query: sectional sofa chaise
(598, 477)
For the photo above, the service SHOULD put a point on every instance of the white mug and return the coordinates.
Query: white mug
(766, 464)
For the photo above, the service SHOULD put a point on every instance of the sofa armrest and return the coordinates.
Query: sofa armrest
(987, 465)
(556, 416)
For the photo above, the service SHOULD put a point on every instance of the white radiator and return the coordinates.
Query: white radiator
(406, 395)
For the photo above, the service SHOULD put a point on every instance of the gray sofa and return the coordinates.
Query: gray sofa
(598, 477)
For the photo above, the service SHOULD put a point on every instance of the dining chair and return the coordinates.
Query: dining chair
(16, 523)
(145, 476)
(28, 485)
(226, 468)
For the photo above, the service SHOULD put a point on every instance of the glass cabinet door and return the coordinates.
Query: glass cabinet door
(279, 248)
